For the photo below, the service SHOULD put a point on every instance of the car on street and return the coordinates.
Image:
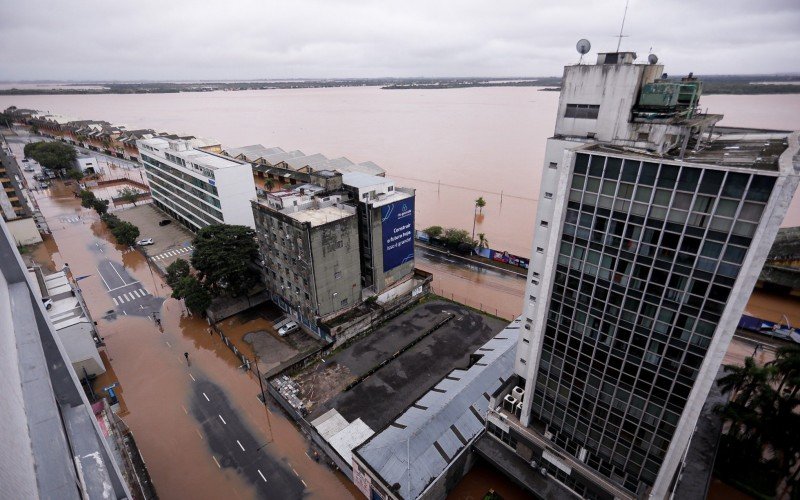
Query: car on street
(24, 160)
(44, 185)
(145, 242)
(164, 222)
(28, 168)
(288, 328)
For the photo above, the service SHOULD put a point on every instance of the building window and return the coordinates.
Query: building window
(526, 340)
(553, 164)
(544, 223)
(539, 250)
(337, 275)
(523, 361)
(344, 301)
(548, 196)
(587, 111)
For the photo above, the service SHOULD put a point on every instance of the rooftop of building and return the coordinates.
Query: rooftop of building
(296, 160)
(324, 215)
(252, 152)
(189, 153)
(53, 445)
(417, 446)
(739, 148)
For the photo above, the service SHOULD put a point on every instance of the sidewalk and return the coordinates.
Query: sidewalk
(471, 259)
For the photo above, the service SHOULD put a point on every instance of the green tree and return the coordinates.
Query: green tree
(457, 237)
(75, 174)
(479, 204)
(52, 155)
(269, 185)
(125, 233)
(194, 293)
(434, 231)
(222, 257)
(177, 271)
(129, 195)
(87, 198)
(482, 241)
(100, 206)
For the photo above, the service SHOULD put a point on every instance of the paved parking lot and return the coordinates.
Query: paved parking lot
(170, 242)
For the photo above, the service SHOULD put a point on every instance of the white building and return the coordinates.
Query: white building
(197, 187)
(652, 227)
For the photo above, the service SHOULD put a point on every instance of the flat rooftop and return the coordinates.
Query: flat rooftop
(196, 156)
(757, 150)
(320, 216)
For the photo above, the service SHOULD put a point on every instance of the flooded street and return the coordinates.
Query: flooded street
(157, 387)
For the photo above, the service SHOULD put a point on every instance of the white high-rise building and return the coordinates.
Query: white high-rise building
(652, 227)
(197, 187)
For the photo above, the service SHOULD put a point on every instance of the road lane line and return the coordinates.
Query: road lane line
(115, 270)
(168, 344)
(262, 475)
(191, 377)
(215, 461)
(123, 286)
(204, 394)
(125, 313)
(223, 420)
(295, 472)
(304, 483)
(198, 433)
(104, 280)
(185, 410)
(240, 445)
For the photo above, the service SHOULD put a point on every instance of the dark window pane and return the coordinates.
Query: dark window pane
(596, 166)
(649, 172)
(668, 176)
(712, 181)
(581, 162)
(735, 185)
(630, 170)
(760, 188)
(613, 167)
(688, 179)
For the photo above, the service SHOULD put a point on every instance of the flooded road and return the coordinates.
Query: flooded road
(159, 390)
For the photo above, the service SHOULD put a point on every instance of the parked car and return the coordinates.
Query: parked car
(288, 328)
(145, 242)
(24, 160)
(164, 222)
(27, 168)
(44, 185)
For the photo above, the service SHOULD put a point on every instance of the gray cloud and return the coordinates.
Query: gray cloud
(253, 39)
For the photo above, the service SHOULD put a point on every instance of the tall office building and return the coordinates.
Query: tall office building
(653, 224)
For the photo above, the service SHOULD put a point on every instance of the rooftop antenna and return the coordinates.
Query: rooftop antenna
(621, 36)
(583, 47)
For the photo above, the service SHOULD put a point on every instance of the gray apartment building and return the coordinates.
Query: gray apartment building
(329, 244)
(652, 227)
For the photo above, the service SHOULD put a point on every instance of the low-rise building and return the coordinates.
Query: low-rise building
(71, 321)
(196, 186)
(14, 207)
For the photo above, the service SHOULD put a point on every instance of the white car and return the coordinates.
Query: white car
(288, 328)
(145, 242)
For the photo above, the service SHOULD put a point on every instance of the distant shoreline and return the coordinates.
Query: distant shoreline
(713, 84)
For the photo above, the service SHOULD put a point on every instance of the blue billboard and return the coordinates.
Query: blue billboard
(397, 221)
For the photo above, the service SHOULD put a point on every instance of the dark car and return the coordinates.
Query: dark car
(165, 222)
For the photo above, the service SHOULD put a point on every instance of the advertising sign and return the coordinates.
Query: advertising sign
(397, 220)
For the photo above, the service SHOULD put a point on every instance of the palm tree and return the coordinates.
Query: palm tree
(482, 241)
(269, 185)
(787, 364)
(479, 203)
(742, 381)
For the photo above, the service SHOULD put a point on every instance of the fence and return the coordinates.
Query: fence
(494, 310)
(247, 364)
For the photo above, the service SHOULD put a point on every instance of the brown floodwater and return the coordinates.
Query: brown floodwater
(148, 363)
(451, 145)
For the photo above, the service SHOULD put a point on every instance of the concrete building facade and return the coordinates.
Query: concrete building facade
(196, 186)
(651, 228)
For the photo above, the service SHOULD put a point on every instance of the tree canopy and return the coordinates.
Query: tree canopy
(125, 232)
(222, 257)
(434, 231)
(177, 271)
(193, 292)
(52, 155)
(129, 195)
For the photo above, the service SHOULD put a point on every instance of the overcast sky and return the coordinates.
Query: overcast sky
(255, 39)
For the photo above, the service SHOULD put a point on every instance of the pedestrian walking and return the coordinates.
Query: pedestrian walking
(186, 355)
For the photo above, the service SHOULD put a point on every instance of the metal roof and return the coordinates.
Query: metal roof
(420, 444)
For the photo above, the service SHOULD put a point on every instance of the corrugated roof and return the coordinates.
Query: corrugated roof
(419, 445)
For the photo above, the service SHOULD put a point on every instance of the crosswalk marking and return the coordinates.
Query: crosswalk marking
(173, 252)
(141, 293)
(115, 301)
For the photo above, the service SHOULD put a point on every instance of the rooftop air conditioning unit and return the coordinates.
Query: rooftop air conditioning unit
(548, 435)
(509, 402)
(518, 410)
(543, 471)
(518, 392)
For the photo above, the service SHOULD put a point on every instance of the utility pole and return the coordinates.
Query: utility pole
(264, 400)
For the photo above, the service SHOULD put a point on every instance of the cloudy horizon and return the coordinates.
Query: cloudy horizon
(207, 40)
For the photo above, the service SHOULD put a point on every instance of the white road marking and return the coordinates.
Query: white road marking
(295, 472)
(223, 420)
(240, 445)
(198, 433)
(115, 270)
(135, 293)
(262, 475)
(123, 286)
(204, 394)
(215, 461)
(127, 297)
(104, 280)
(121, 299)
(185, 410)
(192, 377)
(115, 301)
(304, 483)
(168, 344)
(125, 313)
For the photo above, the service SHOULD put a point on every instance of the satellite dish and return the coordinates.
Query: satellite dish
(583, 46)
(652, 58)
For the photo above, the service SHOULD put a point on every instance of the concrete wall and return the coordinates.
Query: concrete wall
(336, 266)
(24, 231)
(236, 188)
